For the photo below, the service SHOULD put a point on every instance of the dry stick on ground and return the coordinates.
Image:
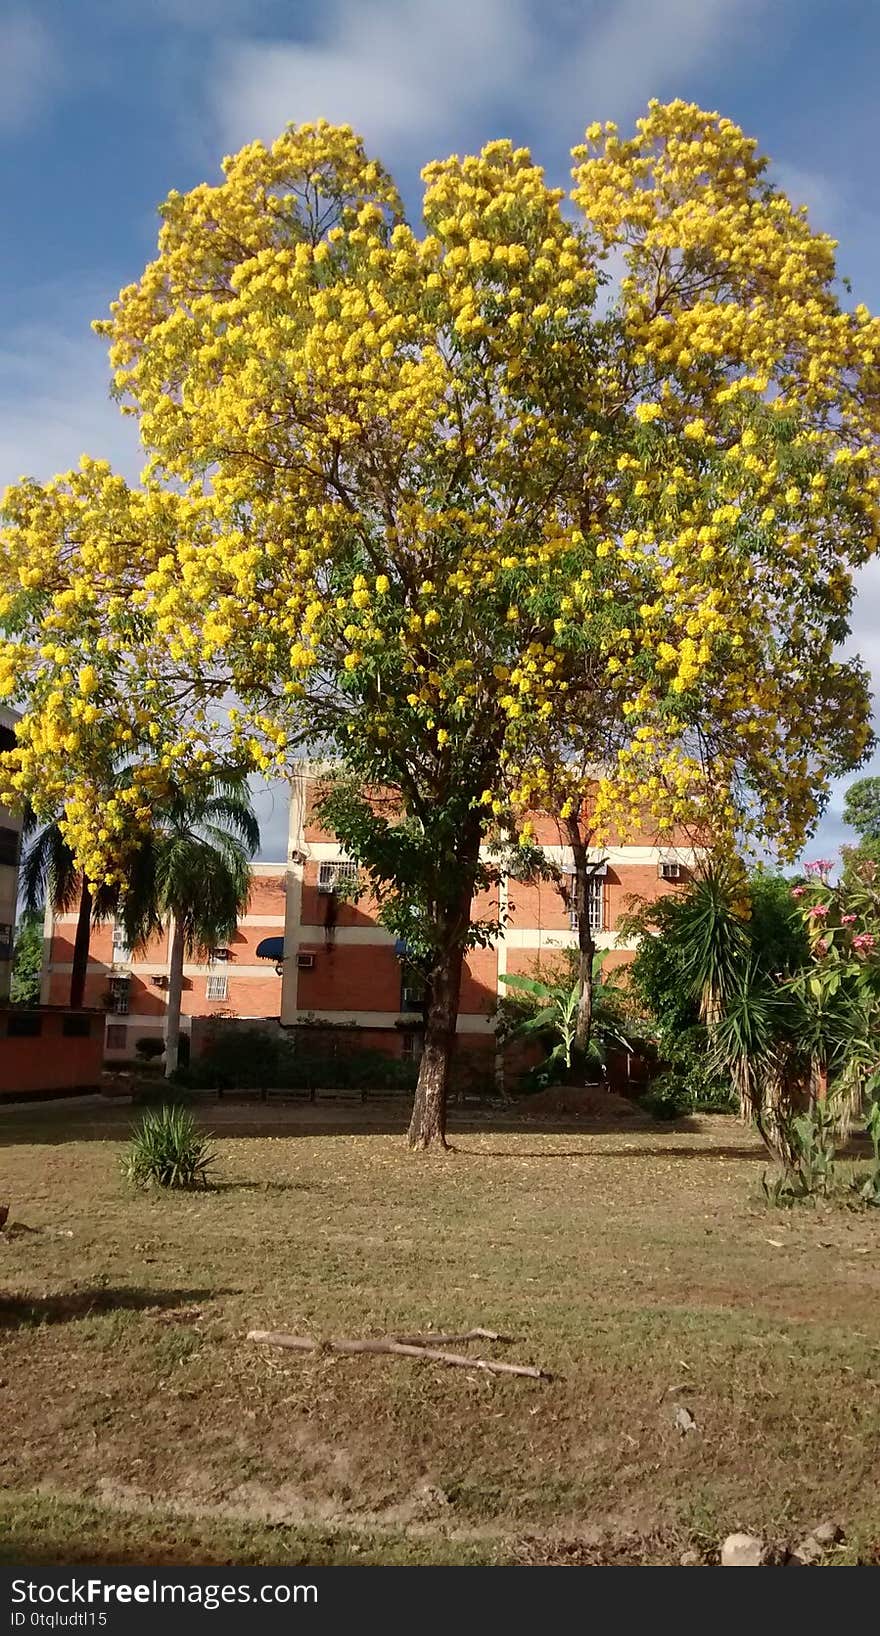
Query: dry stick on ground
(427, 1354)
(450, 1340)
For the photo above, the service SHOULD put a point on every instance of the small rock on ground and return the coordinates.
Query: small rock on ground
(742, 1551)
(827, 1533)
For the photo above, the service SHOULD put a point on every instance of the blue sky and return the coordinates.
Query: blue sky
(105, 105)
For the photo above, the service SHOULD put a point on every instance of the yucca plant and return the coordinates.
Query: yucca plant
(167, 1149)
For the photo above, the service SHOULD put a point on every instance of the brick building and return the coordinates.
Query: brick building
(132, 986)
(340, 968)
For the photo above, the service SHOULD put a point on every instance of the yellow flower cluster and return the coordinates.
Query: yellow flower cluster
(416, 493)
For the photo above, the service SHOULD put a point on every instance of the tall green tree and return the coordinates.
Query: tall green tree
(27, 959)
(192, 869)
(49, 872)
(413, 489)
(861, 808)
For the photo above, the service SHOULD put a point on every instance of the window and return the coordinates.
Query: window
(217, 988)
(119, 987)
(6, 940)
(9, 839)
(7, 738)
(23, 1024)
(340, 874)
(411, 1047)
(121, 946)
(117, 1036)
(412, 991)
(595, 905)
(76, 1028)
(669, 869)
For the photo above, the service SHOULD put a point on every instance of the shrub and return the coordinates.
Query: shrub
(252, 1059)
(149, 1047)
(667, 1097)
(168, 1150)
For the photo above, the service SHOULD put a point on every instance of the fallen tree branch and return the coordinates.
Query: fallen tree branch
(450, 1340)
(427, 1354)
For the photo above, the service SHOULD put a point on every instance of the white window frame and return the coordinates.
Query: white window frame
(335, 873)
(217, 987)
(595, 905)
(121, 947)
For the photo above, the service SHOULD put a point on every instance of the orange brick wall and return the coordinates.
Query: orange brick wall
(250, 992)
(51, 1060)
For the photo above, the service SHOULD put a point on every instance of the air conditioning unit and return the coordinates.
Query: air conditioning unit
(305, 962)
(159, 980)
(219, 954)
(668, 869)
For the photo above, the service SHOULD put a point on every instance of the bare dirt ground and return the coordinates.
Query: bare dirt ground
(636, 1263)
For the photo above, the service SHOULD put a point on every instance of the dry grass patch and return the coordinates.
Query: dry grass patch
(635, 1264)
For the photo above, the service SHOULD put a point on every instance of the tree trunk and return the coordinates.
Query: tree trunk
(81, 948)
(175, 988)
(583, 874)
(428, 1123)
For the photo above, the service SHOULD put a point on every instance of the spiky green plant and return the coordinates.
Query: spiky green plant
(167, 1149)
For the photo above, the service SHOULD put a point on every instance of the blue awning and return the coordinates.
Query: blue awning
(271, 948)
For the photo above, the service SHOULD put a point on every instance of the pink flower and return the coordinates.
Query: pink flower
(847, 920)
(819, 910)
(822, 946)
(819, 866)
(864, 940)
(798, 891)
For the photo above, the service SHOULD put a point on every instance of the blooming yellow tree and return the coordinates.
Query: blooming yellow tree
(419, 491)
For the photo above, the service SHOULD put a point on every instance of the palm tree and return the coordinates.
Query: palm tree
(192, 868)
(49, 871)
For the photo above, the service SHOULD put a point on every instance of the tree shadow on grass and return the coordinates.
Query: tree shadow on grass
(634, 1152)
(30, 1312)
(257, 1187)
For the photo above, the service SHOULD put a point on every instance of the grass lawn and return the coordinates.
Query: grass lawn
(637, 1264)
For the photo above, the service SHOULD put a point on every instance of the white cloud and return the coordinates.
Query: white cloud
(395, 69)
(416, 77)
(54, 401)
(29, 69)
(271, 805)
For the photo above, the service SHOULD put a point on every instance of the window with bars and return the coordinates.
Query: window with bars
(117, 1037)
(595, 906)
(217, 987)
(338, 875)
(119, 994)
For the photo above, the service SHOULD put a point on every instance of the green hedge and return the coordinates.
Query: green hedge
(253, 1060)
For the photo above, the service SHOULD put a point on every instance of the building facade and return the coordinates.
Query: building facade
(342, 969)
(131, 986)
(10, 847)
